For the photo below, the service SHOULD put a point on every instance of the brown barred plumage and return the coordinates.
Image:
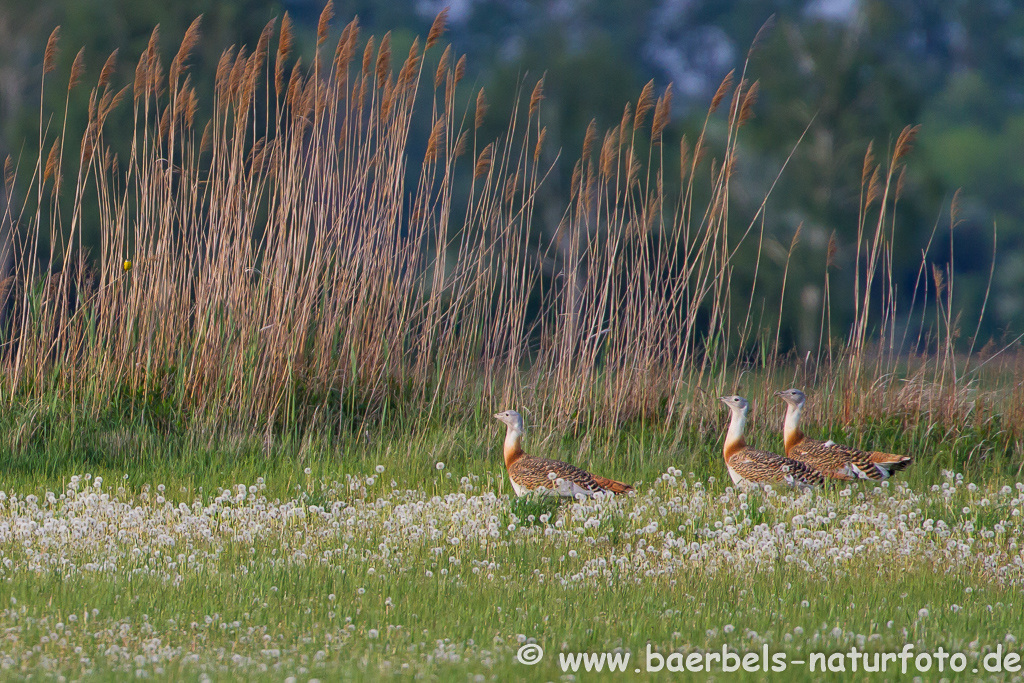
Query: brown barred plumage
(829, 457)
(528, 473)
(763, 467)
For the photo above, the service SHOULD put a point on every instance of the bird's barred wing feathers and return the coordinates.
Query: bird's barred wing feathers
(864, 464)
(533, 473)
(762, 466)
(832, 457)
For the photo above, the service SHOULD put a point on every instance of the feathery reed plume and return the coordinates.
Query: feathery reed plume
(511, 185)
(874, 187)
(940, 281)
(483, 161)
(9, 172)
(481, 109)
(901, 181)
(662, 113)
(188, 43)
(608, 153)
(407, 74)
(52, 160)
(437, 28)
(869, 163)
(576, 184)
(118, 98)
(108, 103)
(191, 103)
(736, 94)
(954, 208)
(627, 115)
(235, 79)
(324, 25)
(77, 69)
(284, 48)
(536, 96)
(345, 51)
(368, 56)
(262, 49)
(435, 142)
(644, 105)
(761, 35)
(154, 74)
(723, 88)
(747, 108)
(207, 138)
(632, 167)
(700, 150)
(294, 98)
(141, 71)
(223, 74)
(384, 59)
(387, 100)
(442, 66)
(905, 142)
(87, 153)
(108, 69)
(364, 89)
(461, 144)
(460, 69)
(165, 123)
(589, 139)
(833, 248)
(50, 54)
(540, 144)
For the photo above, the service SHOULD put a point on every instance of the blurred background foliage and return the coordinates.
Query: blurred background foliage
(846, 71)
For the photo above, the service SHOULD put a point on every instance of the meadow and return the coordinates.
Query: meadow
(408, 557)
(250, 438)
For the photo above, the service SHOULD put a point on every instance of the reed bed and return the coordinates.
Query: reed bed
(301, 257)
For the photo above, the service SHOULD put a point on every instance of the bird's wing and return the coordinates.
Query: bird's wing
(762, 466)
(533, 473)
(835, 457)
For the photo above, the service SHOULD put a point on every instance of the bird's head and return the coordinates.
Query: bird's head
(511, 418)
(793, 397)
(735, 403)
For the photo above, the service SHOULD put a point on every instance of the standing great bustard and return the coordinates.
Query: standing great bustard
(830, 457)
(748, 465)
(554, 476)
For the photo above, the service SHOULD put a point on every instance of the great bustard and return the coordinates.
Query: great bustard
(528, 473)
(830, 457)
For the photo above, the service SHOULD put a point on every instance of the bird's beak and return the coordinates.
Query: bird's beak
(497, 416)
(722, 399)
(778, 393)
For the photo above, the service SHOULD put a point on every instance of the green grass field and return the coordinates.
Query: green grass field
(132, 553)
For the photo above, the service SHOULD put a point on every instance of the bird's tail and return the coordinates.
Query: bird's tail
(615, 487)
(890, 461)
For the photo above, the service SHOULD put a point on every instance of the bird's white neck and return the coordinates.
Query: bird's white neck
(513, 446)
(734, 437)
(791, 434)
(792, 417)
